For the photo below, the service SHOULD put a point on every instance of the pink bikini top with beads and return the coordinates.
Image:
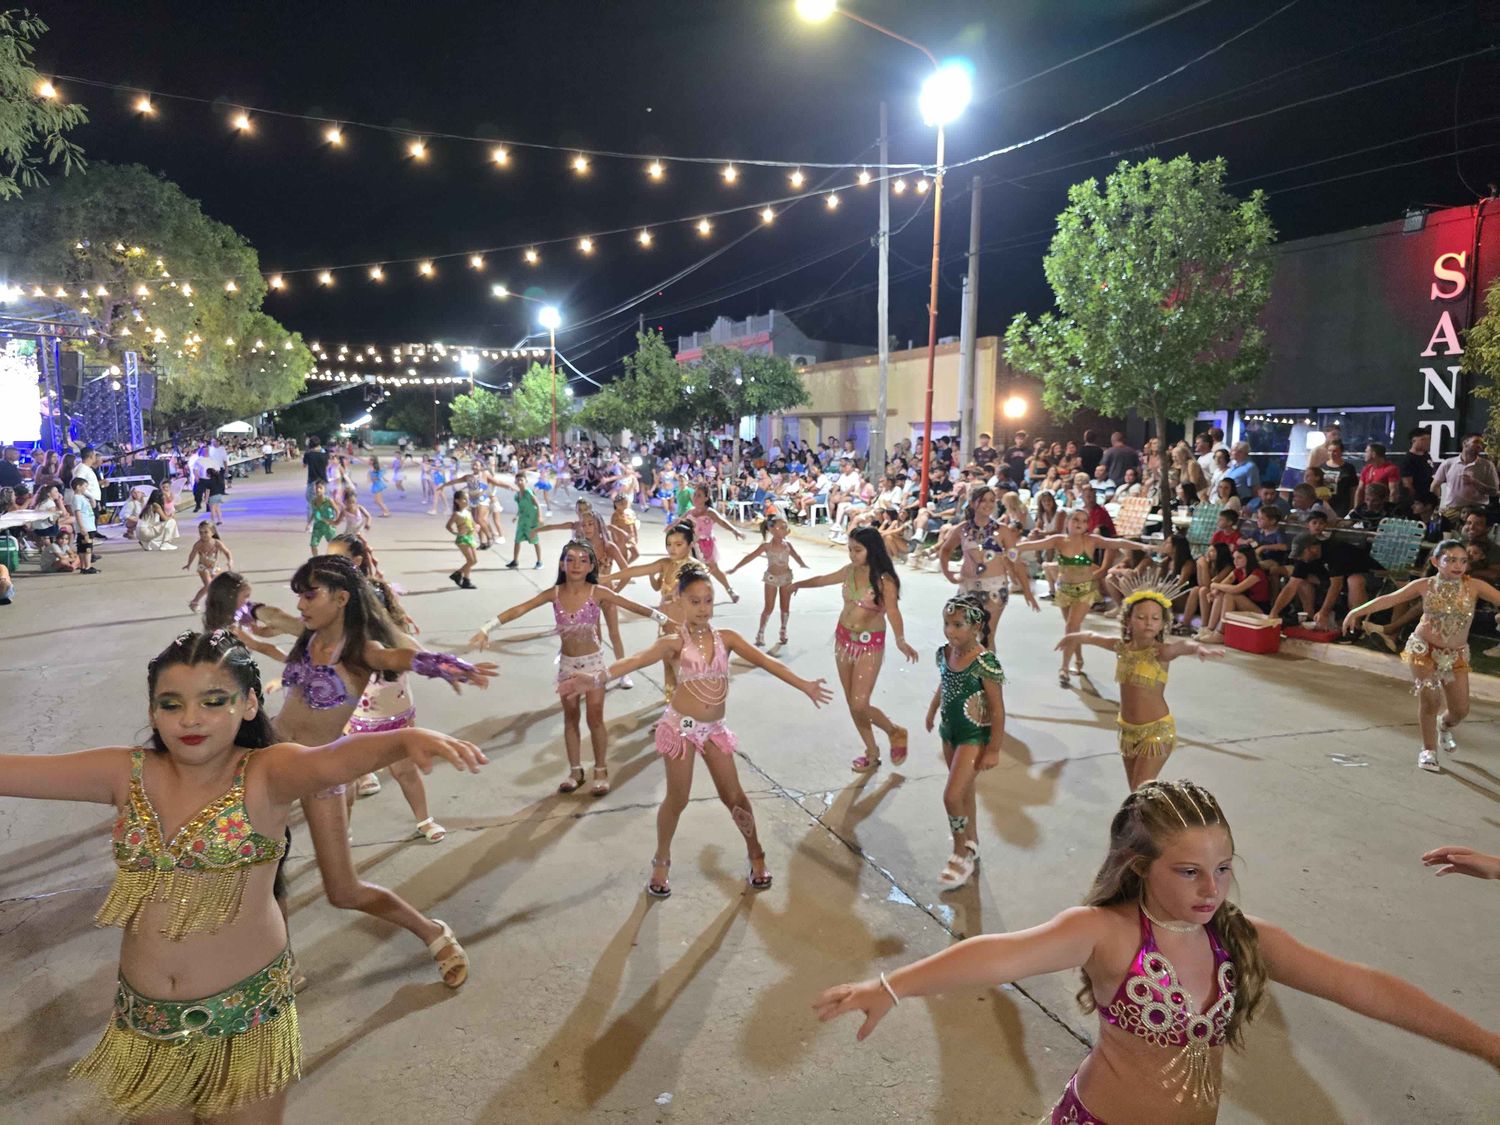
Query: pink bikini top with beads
(584, 623)
(691, 666)
(1152, 1004)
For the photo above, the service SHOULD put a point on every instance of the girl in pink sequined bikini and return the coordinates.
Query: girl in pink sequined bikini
(1173, 968)
(693, 725)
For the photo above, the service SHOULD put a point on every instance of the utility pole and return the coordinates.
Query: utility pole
(966, 336)
(878, 437)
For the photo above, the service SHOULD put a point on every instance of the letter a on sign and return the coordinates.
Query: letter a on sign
(1446, 334)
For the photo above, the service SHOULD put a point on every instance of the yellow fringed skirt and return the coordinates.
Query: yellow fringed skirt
(1148, 740)
(209, 1056)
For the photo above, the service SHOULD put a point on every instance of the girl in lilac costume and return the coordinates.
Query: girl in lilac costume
(1173, 968)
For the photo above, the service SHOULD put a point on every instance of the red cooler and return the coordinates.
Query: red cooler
(1252, 632)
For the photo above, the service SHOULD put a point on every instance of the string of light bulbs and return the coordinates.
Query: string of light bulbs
(335, 133)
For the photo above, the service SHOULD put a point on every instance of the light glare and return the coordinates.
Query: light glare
(946, 93)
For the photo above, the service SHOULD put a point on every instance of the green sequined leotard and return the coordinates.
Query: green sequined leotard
(965, 715)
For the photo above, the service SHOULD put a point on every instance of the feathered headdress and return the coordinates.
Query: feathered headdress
(1153, 585)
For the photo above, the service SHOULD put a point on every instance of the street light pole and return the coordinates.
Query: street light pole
(552, 343)
(932, 314)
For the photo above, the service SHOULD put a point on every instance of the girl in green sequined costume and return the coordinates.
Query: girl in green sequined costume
(204, 1022)
(323, 517)
(972, 725)
(1438, 650)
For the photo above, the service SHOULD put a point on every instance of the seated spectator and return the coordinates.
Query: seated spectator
(1424, 507)
(1099, 518)
(1225, 496)
(1308, 576)
(1268, 541)
(156, 529)
(131, 512)
(1221, 469)
(1305, 502)
(1131, 486)
(1246, 590)
(1266, 496)
(1476, 531)
(7, 585)
(1377, 506)
(1187, 495)
(1349, 566)
(1227, 535)
(58, 553)
(1103, 487)
(1314, 477)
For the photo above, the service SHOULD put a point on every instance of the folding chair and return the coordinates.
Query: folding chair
(1396, 545)
(1201, 530)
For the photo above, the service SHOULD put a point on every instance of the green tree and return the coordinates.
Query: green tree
(728, 384)
(1482, 360)
(479, 414)
(529, 412)
(409, 411)
(319, 416)
(1159, 280)
(607, 411)
(31, 126)
(161, 278)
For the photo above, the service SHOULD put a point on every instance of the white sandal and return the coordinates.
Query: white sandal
(367, 786)
(431, 830)
(455, 960)
(960, 868)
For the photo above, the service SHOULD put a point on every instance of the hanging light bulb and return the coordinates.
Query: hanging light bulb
(231, 287)
(731, 173)
(864, 176)
(45, 89)
(325, 278)
(377, 273)
(581, 164)
(797, 179)
(655, 170)
(898, 186)
(499, 155)
(705, 227)
(187, 290)
(644, 238)
(532, 257)
(586, 245)
(427, 269)
(767, 215)
(276, 282)
(143, 105)
(476, 261)
(922, 185)
(242, 121)
(142, 291)
(500, 291)
(417, 149)
(334, 136)
(832, 201)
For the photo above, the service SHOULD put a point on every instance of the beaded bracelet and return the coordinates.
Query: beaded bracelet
(442, 666)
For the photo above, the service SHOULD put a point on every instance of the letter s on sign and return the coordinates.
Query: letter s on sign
(1443, 273)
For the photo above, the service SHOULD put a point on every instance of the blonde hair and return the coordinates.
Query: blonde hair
(1138, 834)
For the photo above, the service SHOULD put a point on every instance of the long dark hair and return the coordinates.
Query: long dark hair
(1138, 833)
(578, 545)
(359, 554)
(973, 607)
(222, 648)
(973, 503)
(222, 600)
(878, 559)
(685, 528)
(365, 619)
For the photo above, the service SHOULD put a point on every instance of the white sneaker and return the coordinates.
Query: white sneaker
(169, 547)
(1446, 741)
(626, 682)
(1427, 760)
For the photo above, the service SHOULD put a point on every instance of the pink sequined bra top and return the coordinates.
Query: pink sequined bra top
(691, 665)
(1152, 1003)
(583, 624)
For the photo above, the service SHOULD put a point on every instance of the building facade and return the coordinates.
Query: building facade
(774, 333)
(1366, 331)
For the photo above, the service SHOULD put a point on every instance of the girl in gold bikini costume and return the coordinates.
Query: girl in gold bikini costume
(1148, 733)
(1438, 650)
(204, 1020)
(1078, 577)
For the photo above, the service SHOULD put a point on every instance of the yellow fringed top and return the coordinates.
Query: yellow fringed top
(201, 871)
(1139, 666)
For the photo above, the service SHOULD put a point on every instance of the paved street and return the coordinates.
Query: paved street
(588, 1002)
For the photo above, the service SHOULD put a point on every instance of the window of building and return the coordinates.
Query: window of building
(1360, 425)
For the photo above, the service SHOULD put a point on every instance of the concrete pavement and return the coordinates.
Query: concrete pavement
(587, 1002)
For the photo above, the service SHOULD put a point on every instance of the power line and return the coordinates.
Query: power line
(1385, 168)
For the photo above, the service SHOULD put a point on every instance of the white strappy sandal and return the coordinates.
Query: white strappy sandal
(458, 959)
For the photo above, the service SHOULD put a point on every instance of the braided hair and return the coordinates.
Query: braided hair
(1147, 819)
(223, 648)
(974, 609)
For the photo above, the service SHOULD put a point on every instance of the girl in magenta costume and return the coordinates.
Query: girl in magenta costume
(704, 517)
(1173, 968)
(693, 723)
(578, 602)
(779, 554)
(872, 595)
(590, 529)
(344, 638)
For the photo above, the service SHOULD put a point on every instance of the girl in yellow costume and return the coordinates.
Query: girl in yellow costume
(204, 1018)
(1438, 650)
(1148, 733)
(1077, 577)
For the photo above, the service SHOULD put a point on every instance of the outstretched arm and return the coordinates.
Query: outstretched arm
(1173, 649)
(99, 776)
(607, 596)
(1072, 640)
(795, 555)
(1045, 543)
(1413, 589)
(481, 639)
(757, 551)
(292, 771)
(665, 648)
(831, 579)
(1066, 942)
(816, 690)
(1371, 992)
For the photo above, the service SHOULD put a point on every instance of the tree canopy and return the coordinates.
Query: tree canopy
(31, 126)
(1482, 360)
(1159, 281)
(528, 414)
(650, 393)
(162, 279)
(479, 414)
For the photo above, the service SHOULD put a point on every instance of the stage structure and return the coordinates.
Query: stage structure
(111, 406)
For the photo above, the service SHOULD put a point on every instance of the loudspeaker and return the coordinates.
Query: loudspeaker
(70, 371)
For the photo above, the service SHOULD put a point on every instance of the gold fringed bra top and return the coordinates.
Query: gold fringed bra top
(1448, 605)
(1139, 666)
(201, 872)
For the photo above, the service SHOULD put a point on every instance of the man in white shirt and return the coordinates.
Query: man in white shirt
(88, 469)
(1207, 444)
(198, 466)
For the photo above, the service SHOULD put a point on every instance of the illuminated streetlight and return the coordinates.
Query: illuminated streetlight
(551, 319)
(946, 93)
(816, 11)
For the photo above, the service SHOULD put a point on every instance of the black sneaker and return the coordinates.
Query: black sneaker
(89, 570)
(456, 578)
(484, 546)
(467, 585)
(511, 565)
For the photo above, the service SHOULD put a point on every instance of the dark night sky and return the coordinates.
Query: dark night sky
(741, 78)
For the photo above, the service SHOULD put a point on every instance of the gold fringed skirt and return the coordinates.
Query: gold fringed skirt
(1148, 740)
(209, 1056)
